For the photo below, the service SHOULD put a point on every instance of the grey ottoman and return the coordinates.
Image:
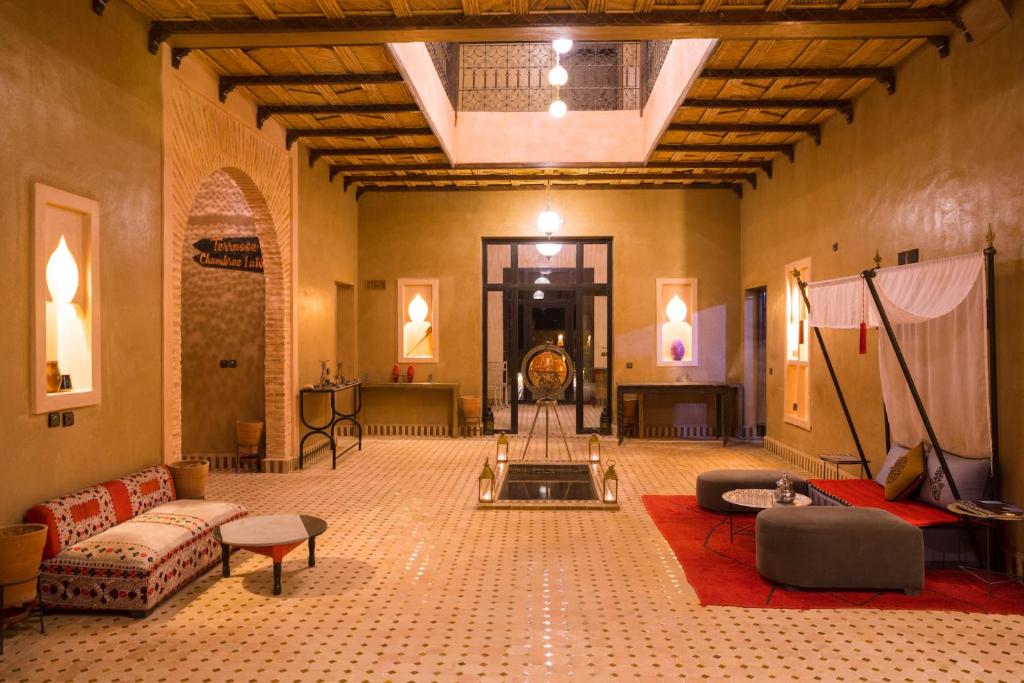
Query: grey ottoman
(713, 483)
(839, 547)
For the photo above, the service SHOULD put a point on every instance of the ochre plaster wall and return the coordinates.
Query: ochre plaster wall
(328, 240)
(929, 168)
(664, 233)
(81, 112)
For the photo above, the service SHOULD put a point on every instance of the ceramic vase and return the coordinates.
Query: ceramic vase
(678, 350)
(52, 376)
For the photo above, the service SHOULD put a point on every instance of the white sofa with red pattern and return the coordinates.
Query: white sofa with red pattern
(126, 544)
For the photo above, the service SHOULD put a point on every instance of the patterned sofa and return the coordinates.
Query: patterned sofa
(126, 544)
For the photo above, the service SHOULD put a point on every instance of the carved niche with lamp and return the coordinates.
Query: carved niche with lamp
(66, 301)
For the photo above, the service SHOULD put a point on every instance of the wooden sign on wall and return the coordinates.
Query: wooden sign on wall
(233, 253)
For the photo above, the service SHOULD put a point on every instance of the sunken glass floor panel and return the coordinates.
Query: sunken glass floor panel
(548, 481)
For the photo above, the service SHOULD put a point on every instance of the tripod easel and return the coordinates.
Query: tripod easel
(549, 406)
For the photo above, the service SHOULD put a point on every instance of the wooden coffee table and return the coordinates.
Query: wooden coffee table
(272, 535)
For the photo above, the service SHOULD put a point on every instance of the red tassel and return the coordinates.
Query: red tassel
(800, 336)
(863, 337)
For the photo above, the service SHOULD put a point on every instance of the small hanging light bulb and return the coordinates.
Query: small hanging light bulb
(561, 45)
(558, 76)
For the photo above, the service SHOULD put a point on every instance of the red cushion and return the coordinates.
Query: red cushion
(122, 499)
(84, 511)
(866, 493)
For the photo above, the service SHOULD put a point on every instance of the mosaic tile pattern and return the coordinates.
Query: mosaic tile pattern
(413, 584)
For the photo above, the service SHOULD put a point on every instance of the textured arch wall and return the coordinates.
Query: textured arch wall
(200, 139)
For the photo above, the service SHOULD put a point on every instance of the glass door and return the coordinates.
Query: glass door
(537, 291)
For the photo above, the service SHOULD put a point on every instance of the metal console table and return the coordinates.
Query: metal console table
(327, 429)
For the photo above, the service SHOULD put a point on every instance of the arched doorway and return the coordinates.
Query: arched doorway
(223, 317)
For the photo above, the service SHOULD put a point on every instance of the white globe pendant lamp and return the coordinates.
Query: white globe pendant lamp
(558, 76)
(558, 108)
(549, 249)
(548, 222)
(561, 45)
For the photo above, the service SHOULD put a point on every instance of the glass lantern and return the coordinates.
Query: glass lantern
(611, 484)
(487, 484)
(502, 449)
(594, 445)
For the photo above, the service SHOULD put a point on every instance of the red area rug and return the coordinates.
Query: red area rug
(724, 573)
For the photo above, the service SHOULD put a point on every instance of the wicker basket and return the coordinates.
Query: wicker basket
(21, 551)
(190, 478)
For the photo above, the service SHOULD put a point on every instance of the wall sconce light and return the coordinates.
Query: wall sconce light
(502, 449)
(486, 484)
(611, 484)
(62, 274)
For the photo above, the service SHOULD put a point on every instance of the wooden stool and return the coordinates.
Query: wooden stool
(472, 415)
(628, 421)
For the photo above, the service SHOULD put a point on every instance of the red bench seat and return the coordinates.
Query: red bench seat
(866, 493)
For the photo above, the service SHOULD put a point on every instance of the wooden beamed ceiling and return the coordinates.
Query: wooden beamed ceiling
(778, 73)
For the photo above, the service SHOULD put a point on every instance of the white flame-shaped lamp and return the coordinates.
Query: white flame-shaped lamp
(418, 339)
(418, 309)
(676, 310)
(62, 274)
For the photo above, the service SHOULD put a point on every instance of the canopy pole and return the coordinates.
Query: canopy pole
(835, 380)
(869, 278)
(993, 394)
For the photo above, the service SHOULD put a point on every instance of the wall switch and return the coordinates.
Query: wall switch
(629, 365)
(229, 363)
(770, 371)
(68, 418)
(53, 420)
(835, 246)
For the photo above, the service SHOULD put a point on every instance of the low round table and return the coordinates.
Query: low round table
(272, 535)
(757, 499)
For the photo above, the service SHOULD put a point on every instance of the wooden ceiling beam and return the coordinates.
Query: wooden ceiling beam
(316, 153)
(812, 130)
(564, 178)
(293, 134)
(735, 187)
(336, 169)
(265, 111)
(736, 24)
(230, 82)
(884, 75)
(789, 151)
(844, 107)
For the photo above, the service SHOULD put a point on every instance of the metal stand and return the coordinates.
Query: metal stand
(327, 429)
(549, 405)
(39, 605)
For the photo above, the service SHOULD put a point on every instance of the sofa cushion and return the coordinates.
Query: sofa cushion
(971, 475)
(142, 491)
(74, 517)
(906, 475)
(136, 546)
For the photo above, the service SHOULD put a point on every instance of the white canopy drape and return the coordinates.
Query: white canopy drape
(937, 310)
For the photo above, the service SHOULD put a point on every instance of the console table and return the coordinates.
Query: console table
(420, 390)
(335, 417)
(725, 396)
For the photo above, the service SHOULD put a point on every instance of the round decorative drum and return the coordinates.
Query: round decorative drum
(547, 371)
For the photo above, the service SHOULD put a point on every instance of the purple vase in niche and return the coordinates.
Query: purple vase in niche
(678, 350)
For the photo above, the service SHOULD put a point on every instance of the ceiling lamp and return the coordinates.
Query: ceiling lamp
(558, 76)
(558, 108)
(549, 249)
(538, 295)
(542, 281)
(562, 45)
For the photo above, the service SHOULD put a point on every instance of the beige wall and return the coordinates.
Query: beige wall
(663, 233)
(328, 240)
(81, 112)
(929, 168)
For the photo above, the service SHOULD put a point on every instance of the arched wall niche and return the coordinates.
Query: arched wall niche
(201, 139)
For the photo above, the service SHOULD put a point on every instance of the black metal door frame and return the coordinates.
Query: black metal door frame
(511, 287)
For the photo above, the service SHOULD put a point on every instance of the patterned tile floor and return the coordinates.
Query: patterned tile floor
(413, 583)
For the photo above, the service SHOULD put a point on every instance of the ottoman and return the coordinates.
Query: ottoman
(713, 483)
(839, 547)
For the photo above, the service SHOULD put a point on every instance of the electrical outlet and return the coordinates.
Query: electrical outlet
(67, 418)
(629, 365)
(53, 420)
(229, 363)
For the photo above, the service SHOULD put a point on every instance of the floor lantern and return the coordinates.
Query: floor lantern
(487, 484)
(594, 444)
(611, 484)
(502, 449)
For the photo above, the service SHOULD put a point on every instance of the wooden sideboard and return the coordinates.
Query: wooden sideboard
(408, 393)
(724, 397)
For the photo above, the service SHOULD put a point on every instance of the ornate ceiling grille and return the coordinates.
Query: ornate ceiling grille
(512, 77)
